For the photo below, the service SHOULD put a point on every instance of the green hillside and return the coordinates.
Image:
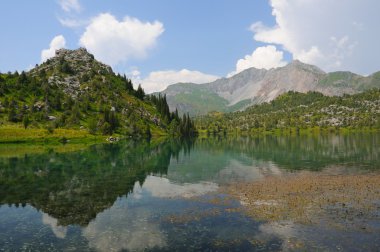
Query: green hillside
(293, 112)
(74, 91)
(198, 100)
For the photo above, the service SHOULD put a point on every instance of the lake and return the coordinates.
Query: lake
(175, 196)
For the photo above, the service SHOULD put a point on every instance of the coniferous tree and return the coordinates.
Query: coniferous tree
(140, 94)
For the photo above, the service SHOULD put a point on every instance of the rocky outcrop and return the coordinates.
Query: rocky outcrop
(80, 64)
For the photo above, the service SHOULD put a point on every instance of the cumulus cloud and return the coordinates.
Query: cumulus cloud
(159, 80)
(58, 42)
(263, 57)
(113, 41)
(70, 5)
(331, 34)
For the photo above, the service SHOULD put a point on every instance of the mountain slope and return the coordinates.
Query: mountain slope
(294, 110)
(255, 86)
(74, 90)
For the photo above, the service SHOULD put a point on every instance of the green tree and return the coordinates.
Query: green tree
(92, 126)
(140, 94)
(106, 129)
(12, 115)
(148, 134)
(26, 121)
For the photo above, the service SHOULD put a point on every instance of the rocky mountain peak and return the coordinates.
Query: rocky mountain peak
(80, 62)
(80, 54)
(297, 64)
(70, 69)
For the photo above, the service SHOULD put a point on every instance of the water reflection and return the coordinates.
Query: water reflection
(135, 196)
(124, 228)
(164, 188)
(74, 187)
(59, 231)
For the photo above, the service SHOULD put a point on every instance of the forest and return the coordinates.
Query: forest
(294, 112)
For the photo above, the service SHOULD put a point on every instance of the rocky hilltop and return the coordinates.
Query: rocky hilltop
(73, 90)
(255, 86)
(69, 68)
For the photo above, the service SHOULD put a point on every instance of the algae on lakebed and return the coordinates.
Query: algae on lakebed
(341, 201)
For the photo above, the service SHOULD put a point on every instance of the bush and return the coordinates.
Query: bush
(92, 126)
(106, 129)
(50, 128)
(26, 121)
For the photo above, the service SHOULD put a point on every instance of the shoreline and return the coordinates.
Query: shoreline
(292, 131)
(19, 135)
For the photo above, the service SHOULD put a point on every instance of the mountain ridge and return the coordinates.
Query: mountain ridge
(254, 86)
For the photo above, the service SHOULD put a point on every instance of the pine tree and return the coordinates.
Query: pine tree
(148, 134)
(140, 94)
(12, 115)
(113, 121)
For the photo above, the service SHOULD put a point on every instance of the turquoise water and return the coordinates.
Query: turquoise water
(133, 196)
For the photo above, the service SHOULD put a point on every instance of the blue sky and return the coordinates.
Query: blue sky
(160, 42)
(204, 35)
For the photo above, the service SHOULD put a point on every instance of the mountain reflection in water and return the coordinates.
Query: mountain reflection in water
(153, 196)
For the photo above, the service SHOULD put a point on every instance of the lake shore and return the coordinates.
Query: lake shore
(35, 135)
(288, 131)
(15, 135)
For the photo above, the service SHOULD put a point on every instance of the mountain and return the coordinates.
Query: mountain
(73, 90)
(255, 86)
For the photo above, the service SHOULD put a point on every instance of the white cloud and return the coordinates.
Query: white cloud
(70, 5)
(331, 34)
(263, 57)
(114, 42)
(124, 227)
(164, 188)
(72, 23)
(134, 74)
(159, 80)
(59, 231)
(58, 42)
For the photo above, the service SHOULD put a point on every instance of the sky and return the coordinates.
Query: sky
(160, 42)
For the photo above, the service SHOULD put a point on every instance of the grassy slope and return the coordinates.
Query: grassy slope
(201, 101)
(198, 100)
(14, 133)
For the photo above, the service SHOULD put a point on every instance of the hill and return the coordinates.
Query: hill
(295, 111)
(255, 86)
(75, 91)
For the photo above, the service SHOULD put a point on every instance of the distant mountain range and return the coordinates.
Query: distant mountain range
(255, 86)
